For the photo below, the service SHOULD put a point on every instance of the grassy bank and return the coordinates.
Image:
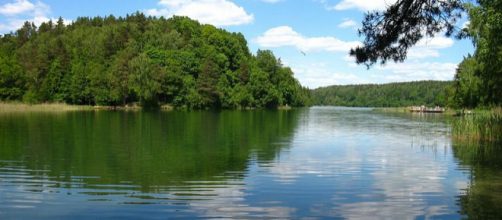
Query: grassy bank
(9, 107)
(45, 107)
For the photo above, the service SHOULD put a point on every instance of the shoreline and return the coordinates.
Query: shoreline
(12, 107)
(449, 112)
(9, 107)
(63, 107)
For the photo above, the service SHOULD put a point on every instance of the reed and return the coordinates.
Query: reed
(483, 125)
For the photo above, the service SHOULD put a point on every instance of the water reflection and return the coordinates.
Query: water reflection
(483, 198)
(315, 163)
(176, 160)
(370, 165)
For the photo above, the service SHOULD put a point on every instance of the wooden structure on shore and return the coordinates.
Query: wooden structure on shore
(424, 109)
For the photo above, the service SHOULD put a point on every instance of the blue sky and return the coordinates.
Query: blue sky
(311, 36)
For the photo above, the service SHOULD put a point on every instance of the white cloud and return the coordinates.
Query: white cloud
(215, 12)
(347, 23)
(19, 11)
(416, 70)
(285, 36)
(10, 25)
(429, 47)
(421, 53)
(439, 42)
(314, 75)
(362, 5)
(16, 7)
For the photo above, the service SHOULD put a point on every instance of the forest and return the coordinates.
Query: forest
(430, 93)
(138, 59)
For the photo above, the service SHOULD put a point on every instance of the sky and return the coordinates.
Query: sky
(313, 37)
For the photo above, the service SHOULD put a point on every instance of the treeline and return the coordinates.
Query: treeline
(430, 93)
(117, 61)
(478, 82)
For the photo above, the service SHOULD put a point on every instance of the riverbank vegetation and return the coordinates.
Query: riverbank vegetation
(480, 126)
(113, 61)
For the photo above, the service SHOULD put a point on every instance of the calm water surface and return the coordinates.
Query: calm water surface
(321, 162)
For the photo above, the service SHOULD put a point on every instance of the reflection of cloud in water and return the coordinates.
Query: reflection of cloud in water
(288, 168)
(405, 181)
(394, 210)
(228, 202)
(391, 177)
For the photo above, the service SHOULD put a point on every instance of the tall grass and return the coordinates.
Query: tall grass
(484, 125)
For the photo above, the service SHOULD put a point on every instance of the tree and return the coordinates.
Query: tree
(12, 82)
(207, 82)
(119, 77)
(485, 28)
(144, 79)
(389, 34)
(467, 84)
(79, 89)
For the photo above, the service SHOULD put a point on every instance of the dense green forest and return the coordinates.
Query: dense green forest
(117, 61)
(430, 93)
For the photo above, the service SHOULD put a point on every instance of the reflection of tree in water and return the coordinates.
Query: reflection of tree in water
(150, 150)
(483, 197)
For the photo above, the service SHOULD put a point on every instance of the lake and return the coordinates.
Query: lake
(319, 162)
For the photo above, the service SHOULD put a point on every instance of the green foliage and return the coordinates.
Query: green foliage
(12, 81)
(430, 93)
(485, 28)
(154, 61)
(467, 84)
(144, 78)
